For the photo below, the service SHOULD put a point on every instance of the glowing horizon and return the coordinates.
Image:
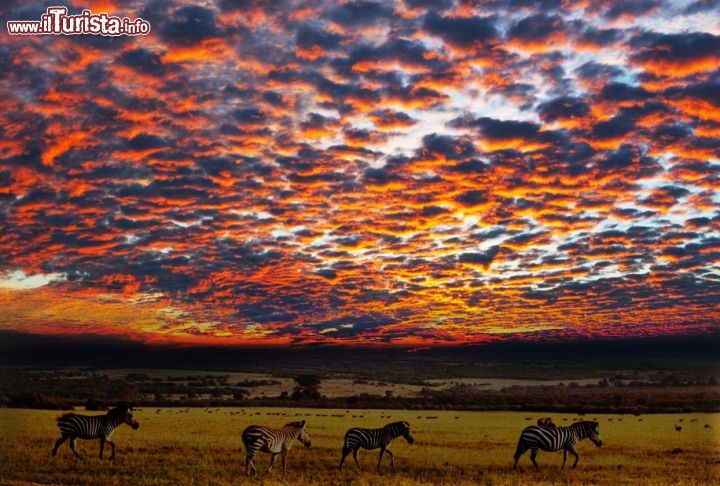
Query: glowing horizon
(409, 173)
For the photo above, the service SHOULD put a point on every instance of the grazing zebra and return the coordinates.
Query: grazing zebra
(369, 439)
(556, 438)
(273, 441)
(73, 426)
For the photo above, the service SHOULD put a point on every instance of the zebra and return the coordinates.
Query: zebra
(556, 438)
(73, 426)
(369, 439)
(273, 441)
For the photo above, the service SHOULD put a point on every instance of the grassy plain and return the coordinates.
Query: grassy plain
(202, 447)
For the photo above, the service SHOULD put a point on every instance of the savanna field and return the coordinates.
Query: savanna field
(198, 446)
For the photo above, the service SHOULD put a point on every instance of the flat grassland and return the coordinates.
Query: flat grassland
(196, 446)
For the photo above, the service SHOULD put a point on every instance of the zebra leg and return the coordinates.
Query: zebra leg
(112, 446)
(102, 446)
(72, 446)
(382, 451)
(519, 452)
(345, 452)
(533, 455)
(58, 443)
(577, 457)
(392, 458)
(355, 454)
(272, 462)
(282, 458)
(249, 463)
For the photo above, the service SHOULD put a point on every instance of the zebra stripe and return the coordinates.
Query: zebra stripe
(272, 441)
(555, 438)
(356, 438)
(73, 426)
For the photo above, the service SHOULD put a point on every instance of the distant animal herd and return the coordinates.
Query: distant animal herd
(544, 436)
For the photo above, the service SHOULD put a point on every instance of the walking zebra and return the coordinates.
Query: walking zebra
(555, 438)
(273, 441)
(369, 439)
(73, 426)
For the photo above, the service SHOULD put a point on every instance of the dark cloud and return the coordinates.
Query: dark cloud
(309, 37)
(708, 91)
(471, 166)
(563, 108)
(536, 28)
(462, 31)
(616, 92)
(616, 127)
(145, 142)
(359, 14)
(494, 129)
(187, 25)
(473, 197)
(142, 60)
(634, 9)
(480, 258)
(683, 48)
(449, 147)
(353, 325)
(592, 70)
(249, 116)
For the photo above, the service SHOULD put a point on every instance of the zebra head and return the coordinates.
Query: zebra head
(124, 415)
(303, 436)
(595, 434)
(406, 432)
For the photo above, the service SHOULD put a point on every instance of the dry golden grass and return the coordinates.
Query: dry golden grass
(202, 447)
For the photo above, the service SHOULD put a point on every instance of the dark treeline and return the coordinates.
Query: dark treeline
(95, 391)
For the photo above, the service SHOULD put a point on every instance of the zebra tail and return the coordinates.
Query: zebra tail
(519, 451)
(346, 447)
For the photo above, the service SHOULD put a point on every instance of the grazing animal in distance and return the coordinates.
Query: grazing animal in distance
(678, 428)
(369, 439)
(555, 438)
(73, 426)
(258, 438)
(546, 422)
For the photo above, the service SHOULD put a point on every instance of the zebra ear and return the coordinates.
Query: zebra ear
(302, 423)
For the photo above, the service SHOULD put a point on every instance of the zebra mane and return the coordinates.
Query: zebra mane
(399, 427)
(586, 423)
(300, 424)
(118, 411)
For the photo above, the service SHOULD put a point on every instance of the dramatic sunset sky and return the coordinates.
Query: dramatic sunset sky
(412, 173)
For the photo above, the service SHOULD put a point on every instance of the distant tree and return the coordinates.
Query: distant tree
(307, 386)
